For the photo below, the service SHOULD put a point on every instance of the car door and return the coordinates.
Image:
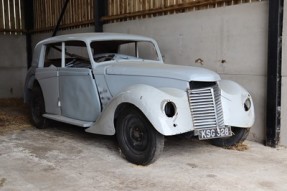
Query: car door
(47, 76)
(78, 92)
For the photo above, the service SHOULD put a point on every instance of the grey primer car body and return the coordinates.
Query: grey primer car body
(117, 84)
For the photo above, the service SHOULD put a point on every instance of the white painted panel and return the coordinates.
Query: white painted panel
(283, 135)
(235, 34)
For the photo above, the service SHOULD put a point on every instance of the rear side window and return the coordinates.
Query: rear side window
(75, 55)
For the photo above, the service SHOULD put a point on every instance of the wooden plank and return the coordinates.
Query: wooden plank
(1, 16)
(109, 8)
(10, 14)
(112, 6)
(35, 12)
(128, 4)
(69, 13)
(75, 11)
(13, 15)
(161, 10)
(79, 19)
(39, 14)
(84, 4)
(44, 13)
(112, 2)
(131, 7)
(66, 16)
(17, 17)
(89, 10)
(121, 9)
(6, 18)
(53, 12)
(59, 5)
(64, 19)
(21, 7)
(66, 26)
(49, 12)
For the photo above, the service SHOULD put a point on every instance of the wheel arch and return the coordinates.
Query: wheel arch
(31, 83)
(150, 101)
(121, 107)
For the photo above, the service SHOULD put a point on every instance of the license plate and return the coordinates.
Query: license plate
(212, 133)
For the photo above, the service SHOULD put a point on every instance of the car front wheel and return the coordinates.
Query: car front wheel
(139, 142)
(239, 135)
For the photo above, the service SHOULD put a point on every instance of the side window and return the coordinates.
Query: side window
(142, 49)
(75, 55)
(53, 55)
(128, 49)
(147, 51)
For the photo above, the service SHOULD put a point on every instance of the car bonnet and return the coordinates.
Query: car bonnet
(185, 73)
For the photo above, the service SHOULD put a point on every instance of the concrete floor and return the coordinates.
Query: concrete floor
(67, 158)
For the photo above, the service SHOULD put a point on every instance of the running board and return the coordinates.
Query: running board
(68, 120)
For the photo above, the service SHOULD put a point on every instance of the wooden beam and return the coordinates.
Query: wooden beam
(162, 10)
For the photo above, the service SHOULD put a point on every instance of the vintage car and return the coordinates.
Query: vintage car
(118, 84)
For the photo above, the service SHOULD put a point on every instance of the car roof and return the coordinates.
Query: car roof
(88, 37)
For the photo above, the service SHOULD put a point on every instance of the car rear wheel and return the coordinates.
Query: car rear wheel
(239, 135)
(37, 108)
(139, 142)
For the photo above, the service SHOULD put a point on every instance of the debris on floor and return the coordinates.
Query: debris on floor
(239, 147)
(14, 115)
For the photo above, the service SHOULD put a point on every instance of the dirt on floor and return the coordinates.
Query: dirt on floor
(14, 115)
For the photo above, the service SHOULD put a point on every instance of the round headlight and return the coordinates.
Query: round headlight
(169, 109)
(247, 104)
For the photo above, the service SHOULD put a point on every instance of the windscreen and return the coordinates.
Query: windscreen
(124, 49)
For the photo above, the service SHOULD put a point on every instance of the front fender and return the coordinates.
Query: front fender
(233, 97)
(150, 101)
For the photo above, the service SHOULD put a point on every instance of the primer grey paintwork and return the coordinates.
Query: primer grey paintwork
(78, 93)
(89, 97)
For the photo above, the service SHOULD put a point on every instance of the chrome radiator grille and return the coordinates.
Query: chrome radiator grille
(205, 107)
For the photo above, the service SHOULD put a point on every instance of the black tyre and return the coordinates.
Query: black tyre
(239, 135)
(37, 108)
(139, 142)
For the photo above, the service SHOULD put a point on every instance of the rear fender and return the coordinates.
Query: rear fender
(29, 82)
